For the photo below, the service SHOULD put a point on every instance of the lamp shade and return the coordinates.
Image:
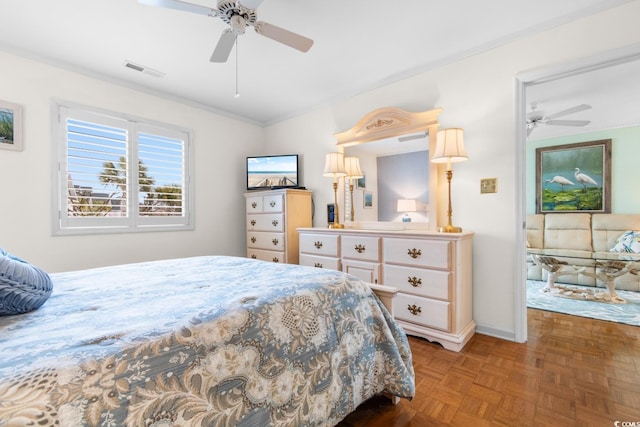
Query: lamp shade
(449, 147)
(406, 205)
(334, 165)
(352, 167)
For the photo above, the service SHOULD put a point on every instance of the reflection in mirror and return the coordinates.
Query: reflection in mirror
(394, 169)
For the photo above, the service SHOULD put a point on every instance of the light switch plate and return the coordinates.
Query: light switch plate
(488, 185)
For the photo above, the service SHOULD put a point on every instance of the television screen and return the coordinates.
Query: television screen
(266, 172)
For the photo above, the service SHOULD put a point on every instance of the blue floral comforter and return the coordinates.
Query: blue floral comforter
(203, 341)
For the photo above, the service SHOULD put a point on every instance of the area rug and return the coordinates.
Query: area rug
(628, 313)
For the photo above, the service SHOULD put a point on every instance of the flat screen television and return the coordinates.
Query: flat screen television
(272, 172)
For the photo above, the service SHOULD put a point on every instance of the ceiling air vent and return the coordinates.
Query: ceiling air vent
(143, 69)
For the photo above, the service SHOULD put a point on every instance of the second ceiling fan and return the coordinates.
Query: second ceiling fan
(535, 117)
(239, 15)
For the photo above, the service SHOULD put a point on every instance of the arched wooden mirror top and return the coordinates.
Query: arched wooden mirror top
(390, 122)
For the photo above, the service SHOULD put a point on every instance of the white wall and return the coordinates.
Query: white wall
(477, 94)
(221, 145)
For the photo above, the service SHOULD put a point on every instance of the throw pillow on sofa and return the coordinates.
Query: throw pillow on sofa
(23, 287)
(628, 242)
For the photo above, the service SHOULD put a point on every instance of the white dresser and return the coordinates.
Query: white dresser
(273, 217)
(431, 270)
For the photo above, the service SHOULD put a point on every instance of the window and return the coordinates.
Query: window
(117, 174)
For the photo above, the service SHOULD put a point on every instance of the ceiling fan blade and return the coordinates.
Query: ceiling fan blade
(224, 46)
(181, 5)
(251, 4)
(567, 122)
(283, 36)
(568, 111)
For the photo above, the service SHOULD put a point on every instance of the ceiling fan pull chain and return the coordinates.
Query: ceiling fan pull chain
(237, 94)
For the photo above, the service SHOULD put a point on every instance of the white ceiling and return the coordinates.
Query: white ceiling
(359, 45)
(612, 92)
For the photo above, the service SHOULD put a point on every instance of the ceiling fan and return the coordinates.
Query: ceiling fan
(535, 117)
(239, 15)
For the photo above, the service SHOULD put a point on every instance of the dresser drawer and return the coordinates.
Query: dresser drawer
(265, 222)
(254, 204)
(360, 247)
(271, 256)
(366, 271)
(419, 281)
(423, 253)
(273, 203)
(270, 203)
(319, 244)
(320, 262)
(264, 240)
(422, 311)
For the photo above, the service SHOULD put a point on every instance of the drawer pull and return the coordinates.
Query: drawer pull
(254, 205)
(253, 239)
(414, 309)
(318, 244)
(414, 253)
(275, 259)
(318, 264)
(272, 203)
(414, 281)
(274, 241)
(359, 248)
(274, 222)
(253, 256)
(253, 222)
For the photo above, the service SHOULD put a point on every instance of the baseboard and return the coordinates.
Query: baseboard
(497, 333)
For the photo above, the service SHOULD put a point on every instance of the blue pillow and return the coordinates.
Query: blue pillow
(23, 287)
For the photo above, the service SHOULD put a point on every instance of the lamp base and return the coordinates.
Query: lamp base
(450, 229)
(334, 225)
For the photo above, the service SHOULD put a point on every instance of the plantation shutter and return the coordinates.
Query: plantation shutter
(116, 174)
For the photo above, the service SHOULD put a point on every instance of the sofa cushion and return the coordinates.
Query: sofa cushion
(607, 228)
(570, 231)
(23, 287)
(535, 231)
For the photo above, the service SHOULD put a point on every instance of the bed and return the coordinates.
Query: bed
(202, 341)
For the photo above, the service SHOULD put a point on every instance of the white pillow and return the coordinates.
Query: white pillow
(628, 242)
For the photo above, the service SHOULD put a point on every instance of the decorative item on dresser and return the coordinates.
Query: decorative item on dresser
(449, 149)
(334, 168)
(352, 169)
(272, 219)
(432, 272)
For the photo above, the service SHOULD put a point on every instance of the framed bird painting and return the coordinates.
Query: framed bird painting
(574, 177)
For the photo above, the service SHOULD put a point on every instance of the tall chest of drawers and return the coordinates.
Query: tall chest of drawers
(273, 217)
(432, 272)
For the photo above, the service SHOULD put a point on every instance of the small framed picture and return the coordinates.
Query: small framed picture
(361, 183)
(10, 126)
(367, 200)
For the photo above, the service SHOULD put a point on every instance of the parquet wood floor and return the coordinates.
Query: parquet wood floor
(573, 371)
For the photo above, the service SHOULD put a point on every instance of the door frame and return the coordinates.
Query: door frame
(523, 80)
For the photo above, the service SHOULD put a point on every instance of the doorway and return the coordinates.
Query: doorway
(561, 88)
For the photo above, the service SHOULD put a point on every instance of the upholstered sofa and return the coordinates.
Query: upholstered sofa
(579, 239)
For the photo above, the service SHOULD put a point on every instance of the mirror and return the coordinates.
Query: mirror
(394, 169)
(393, 147)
